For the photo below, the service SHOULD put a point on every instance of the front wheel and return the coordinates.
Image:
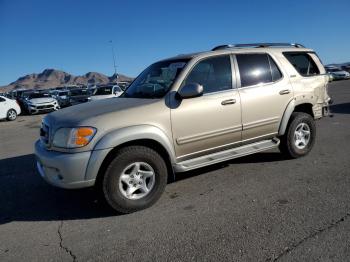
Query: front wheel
(11, 115)
(299, 137)
(135, 179)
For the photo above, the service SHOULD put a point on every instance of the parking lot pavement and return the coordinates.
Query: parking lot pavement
(258, 208)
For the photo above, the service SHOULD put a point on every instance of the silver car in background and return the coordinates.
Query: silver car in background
(338, 74)
(62, 97)
(40, 102)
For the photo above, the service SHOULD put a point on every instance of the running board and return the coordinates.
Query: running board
(226, 155)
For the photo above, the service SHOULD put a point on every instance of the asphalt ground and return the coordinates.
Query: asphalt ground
(257, 208)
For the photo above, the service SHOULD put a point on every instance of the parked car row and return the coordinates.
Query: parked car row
(338, 73)
(39, 101)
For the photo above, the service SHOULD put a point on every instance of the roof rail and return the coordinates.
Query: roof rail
(257, 45)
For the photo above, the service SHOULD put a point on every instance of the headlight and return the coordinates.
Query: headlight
(73, 137)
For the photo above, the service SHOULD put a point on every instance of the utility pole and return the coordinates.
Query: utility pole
(113, 54)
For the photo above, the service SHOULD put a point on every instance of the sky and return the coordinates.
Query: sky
(74, 36)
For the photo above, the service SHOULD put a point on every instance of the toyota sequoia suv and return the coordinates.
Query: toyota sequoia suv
(184, 113)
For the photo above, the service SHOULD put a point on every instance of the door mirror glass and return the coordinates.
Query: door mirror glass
(190, 90)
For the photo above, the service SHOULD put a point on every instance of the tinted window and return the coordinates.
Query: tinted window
(214, 74)
(275, 71)
(2, 99)
(254, 69)
(303, 63)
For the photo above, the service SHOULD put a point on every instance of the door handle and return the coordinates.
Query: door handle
(284, 92)
(228, 102)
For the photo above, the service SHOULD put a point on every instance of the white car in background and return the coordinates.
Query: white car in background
(40, 102)
(103, 92)
(9, 109)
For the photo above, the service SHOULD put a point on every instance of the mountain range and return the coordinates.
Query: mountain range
(53, 78)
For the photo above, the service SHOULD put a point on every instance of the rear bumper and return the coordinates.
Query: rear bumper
(63, 169)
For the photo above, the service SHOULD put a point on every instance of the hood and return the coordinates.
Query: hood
(42, 100)
(91, 113)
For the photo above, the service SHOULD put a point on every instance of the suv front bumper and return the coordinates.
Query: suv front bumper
(63, 170)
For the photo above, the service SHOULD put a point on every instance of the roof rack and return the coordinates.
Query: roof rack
(257, 45)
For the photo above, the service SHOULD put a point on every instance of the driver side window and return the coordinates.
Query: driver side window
(214, 74)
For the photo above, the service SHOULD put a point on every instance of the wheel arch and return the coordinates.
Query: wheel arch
(108, 146)
(292, 107)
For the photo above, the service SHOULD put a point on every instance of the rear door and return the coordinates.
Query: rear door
(265, 93)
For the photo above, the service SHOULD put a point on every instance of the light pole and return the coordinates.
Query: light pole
(113, 54)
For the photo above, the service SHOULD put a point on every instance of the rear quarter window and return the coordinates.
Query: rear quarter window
(303, 63)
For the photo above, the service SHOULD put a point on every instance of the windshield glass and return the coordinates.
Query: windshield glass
(79, 92)
(156, 80)
(103, 91)
(38, 95)
(117, 89)
(63, 93)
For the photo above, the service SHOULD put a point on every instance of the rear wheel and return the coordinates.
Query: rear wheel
(11, 115)
(135, 179)
(299, 137)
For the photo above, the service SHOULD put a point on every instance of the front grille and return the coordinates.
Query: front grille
(45, 107)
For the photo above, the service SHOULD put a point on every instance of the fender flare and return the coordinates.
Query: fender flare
(286, 116)
(128, 134)
(123, 135)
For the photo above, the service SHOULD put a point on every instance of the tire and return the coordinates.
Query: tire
(11, 115)
(292, 144)
(120, 176)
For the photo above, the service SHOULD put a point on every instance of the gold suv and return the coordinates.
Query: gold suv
(183, 113)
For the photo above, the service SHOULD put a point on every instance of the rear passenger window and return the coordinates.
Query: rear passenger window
(303, 63)
(214, 74)
(254, 69)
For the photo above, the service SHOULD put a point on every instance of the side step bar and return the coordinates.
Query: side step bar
(226, 155)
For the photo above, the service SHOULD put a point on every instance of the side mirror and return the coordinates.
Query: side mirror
(190, 90)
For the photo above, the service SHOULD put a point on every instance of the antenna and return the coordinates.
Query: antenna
(113, 54)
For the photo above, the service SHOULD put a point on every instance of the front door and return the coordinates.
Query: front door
(212, 121)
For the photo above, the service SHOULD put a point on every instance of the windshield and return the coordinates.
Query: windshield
(156, 80)
(38, 95)
(79, 92)
(117, 89)
(103, 91)
(63, 93)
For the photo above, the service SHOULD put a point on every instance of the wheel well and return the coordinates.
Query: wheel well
(156, 146)
(305, 108)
